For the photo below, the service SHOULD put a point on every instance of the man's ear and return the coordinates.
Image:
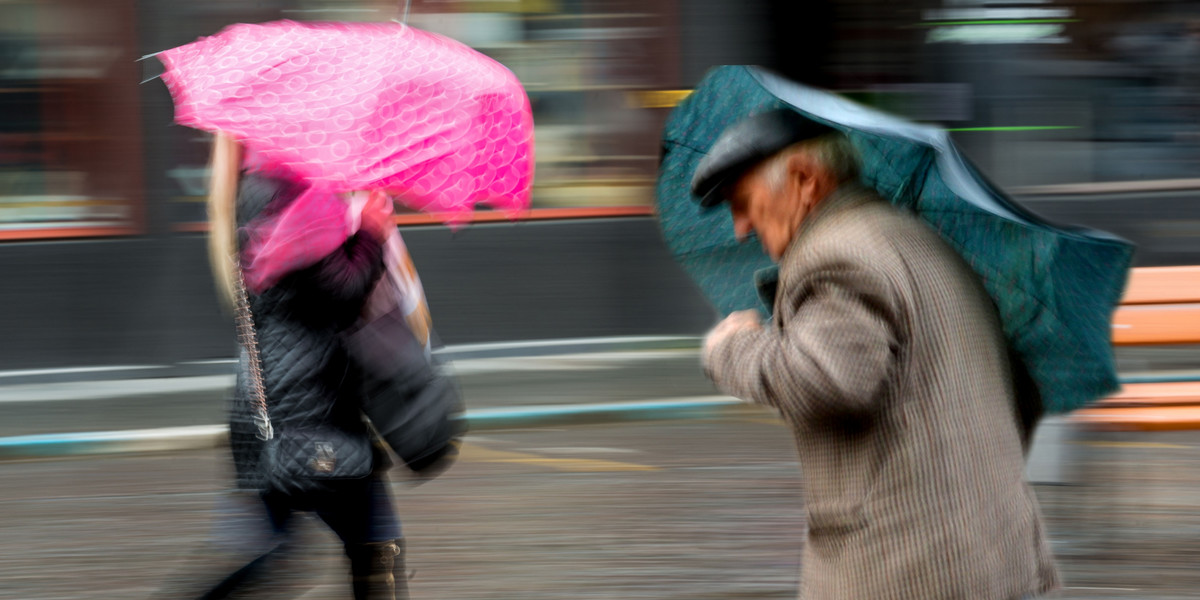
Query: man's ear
(811, 178)
(801, 170)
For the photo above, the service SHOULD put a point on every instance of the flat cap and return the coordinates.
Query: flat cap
(746, 143)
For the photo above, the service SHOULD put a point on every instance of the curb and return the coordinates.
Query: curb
(67, 445)
(174, 439)
(535, 348)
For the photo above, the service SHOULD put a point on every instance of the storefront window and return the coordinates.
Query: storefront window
(70, 160)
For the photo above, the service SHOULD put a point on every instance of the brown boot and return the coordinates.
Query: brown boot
(378, 571)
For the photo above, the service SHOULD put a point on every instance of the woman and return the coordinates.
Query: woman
(301, 306)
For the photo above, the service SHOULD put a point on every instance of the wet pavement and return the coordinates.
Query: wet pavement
(667, 510)
(671, 510)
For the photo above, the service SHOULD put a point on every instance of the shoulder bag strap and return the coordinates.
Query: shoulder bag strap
(245, 326)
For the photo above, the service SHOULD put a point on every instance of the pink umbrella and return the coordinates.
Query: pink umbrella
(364, 106)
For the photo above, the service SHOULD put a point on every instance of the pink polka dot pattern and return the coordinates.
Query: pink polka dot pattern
(352, 106)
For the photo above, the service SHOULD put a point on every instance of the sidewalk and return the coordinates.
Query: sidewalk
(505, 386)
(664, 511)
(700, 508)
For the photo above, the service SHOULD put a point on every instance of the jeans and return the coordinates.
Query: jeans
(358, 511)
(259, 533)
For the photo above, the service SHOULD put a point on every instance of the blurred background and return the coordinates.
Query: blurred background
(1087, 112)
(101, 212)
(101, 196)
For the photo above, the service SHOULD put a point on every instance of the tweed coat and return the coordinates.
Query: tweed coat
(887, 360)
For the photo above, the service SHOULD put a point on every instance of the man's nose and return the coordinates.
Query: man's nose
(742, 228)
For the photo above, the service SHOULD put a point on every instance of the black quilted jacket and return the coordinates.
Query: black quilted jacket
(307, 377)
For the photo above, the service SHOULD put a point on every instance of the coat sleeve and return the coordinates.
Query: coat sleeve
(833, 357)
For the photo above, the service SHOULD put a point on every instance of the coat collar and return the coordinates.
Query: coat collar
(845, 197)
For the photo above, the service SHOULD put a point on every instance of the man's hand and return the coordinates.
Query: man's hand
(735, 322)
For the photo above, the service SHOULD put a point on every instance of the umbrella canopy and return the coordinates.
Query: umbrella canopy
(356, 106)
(1055, 288)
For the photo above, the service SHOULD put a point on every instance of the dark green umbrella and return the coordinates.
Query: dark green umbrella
(1055, 288)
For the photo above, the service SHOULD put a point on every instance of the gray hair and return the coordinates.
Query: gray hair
(834, 151)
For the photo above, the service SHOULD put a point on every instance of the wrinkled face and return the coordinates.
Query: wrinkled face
(774, 215)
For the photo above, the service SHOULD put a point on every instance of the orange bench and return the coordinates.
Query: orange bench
(1161, 306)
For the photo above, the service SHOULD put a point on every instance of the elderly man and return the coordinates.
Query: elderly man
(886, 359)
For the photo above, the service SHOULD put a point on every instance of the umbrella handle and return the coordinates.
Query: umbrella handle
(407, 4)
